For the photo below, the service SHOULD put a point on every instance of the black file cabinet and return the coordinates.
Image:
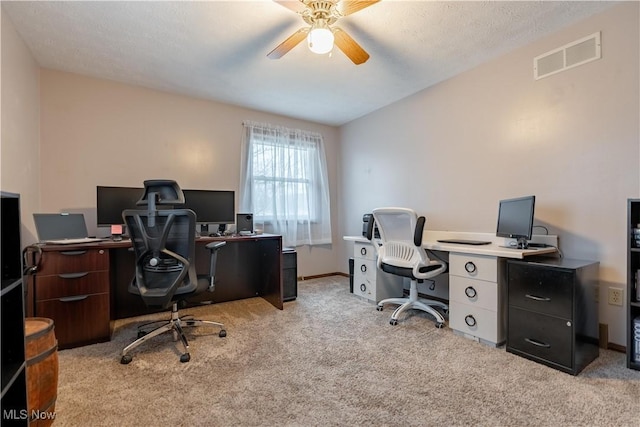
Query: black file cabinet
(289, 274)
(552, 312)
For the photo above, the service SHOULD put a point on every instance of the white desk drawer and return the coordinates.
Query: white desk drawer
(364, 250)
(474, 292)
(374, 284)
(364, 287)
(364, 268)
(474, 266)
(475, 321)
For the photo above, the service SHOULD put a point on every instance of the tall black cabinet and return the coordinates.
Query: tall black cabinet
(633, 284)
(12, 349)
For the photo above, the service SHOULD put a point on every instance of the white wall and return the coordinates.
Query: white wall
(20, 134)
(98, 132)
(454, 150)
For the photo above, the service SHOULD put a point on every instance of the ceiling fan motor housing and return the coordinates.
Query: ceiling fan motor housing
(321, 10)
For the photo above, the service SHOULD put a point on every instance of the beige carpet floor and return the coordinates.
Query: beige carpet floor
(331, 359)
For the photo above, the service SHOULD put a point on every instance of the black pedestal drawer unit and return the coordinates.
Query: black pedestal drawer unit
(553, 312)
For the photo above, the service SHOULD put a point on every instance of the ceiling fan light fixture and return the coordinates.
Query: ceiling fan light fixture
(320, 40)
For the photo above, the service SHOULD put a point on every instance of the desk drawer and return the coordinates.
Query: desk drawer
(475, 321)
(544, 290)
(544, 337)
(364, 269)
(474, 266)
(78, 322)
(73, 261)
(364, 250)
(71, 285)
(474, 292)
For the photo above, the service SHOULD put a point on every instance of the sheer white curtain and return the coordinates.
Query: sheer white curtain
(283, 182)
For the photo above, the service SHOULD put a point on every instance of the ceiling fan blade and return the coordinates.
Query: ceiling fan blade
(347, 7)
(296, 5)
(288, 44)
(349, 46)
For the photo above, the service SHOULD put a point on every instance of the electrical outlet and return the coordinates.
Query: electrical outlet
(615, 296)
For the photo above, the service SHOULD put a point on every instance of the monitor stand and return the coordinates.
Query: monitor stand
(522, 243)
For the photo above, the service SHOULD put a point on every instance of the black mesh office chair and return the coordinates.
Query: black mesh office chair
(401, 253)
(165, 274)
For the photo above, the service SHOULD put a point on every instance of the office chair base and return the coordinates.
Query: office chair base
(175, 325)
(412, 303)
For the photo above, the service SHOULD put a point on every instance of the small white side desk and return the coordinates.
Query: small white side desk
(477, 279)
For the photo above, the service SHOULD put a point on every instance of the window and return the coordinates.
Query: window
(284, 183)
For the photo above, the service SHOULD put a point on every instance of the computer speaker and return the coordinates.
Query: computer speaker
(244, 223)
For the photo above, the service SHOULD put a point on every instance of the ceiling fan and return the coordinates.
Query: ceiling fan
(320, 35)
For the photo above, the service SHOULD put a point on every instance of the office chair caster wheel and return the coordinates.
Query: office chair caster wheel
(126, 359)
(393, 322)
(379, 308)
(439, 325)
(222, 333)
(185, 358)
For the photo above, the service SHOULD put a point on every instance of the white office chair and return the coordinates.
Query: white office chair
(401, 254)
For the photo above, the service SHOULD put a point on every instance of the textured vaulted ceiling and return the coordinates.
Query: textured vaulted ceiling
(217, 49)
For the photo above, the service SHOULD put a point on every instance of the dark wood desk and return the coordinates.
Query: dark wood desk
(247, 266)
(84, 287)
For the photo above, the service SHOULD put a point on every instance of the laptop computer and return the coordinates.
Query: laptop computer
(62, 228)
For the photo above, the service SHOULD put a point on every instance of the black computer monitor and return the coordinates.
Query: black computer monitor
(515, 219)
(211, 206)
(111, 201)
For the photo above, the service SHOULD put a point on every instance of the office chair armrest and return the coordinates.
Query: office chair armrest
(214, 247)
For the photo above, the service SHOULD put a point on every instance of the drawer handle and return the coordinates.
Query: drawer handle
(74, 299)
(470, 292)
(363, 251)
(535, 298)
(470, 320)
(470, 267)
(537, 343)
(73, 253)
(72, 275)
(363, 268)
(363, 287)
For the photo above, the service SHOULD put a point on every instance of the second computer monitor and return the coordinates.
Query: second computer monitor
(211, 206)
(111, 201)
(515, 219)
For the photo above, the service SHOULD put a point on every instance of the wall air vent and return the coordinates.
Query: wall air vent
(571, 55)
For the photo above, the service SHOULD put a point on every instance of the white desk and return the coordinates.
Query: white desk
(500, 247)
(476, 279)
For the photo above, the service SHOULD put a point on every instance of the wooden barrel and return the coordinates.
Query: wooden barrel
(42, 370)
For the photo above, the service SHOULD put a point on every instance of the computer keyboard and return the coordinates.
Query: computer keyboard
(465, 241)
